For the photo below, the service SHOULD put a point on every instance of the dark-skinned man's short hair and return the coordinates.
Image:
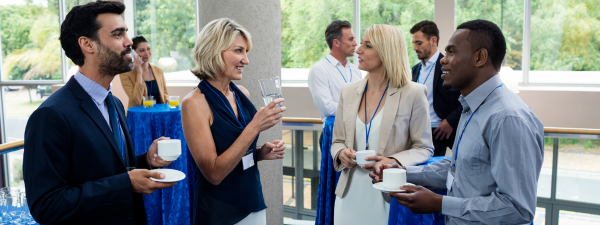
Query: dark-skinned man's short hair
(487, 35)
(81, 21)
(334, 31)
(429, 29)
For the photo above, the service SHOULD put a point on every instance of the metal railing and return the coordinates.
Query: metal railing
(299, 128)
(11, 147)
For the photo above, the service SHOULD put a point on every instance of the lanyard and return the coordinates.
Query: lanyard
(368, 130)
(427, 74)
(341, 71)
(463, 131)
(231, 111)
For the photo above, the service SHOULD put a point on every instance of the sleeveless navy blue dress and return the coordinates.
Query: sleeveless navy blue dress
(240, 193)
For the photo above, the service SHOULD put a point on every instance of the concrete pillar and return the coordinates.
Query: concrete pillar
(262, 18)
(444, 18)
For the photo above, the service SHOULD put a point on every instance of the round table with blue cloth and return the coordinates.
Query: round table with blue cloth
(171, 205)
(399, 215)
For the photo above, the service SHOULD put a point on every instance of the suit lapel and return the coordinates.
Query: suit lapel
(392, 102)
(88, 105)
(417, 72)
(352, 110)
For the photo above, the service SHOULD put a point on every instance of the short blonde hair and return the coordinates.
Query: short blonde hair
(390, 44)
(216, 37)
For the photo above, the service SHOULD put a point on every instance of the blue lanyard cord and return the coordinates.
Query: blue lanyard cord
(463, 131)
(231, 111)
(120, 134)
(341, 71)
(368, 130)
(427, 74)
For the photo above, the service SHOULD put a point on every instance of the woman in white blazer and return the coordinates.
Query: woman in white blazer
(385, 112)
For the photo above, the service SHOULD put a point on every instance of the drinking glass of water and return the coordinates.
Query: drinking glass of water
(270, 89)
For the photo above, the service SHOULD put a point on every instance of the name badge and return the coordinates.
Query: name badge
(248, 159)
(449, 181)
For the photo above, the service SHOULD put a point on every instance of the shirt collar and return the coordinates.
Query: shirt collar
(477, 96)
(433, 59)
(333, 60)
(95, 90)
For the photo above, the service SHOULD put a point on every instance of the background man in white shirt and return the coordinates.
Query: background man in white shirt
(327, 76)
(444, 107)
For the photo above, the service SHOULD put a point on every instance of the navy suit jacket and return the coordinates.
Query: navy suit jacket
(445, 102)
(72, 167)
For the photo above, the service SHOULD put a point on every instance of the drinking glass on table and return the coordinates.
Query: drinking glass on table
(270, 89)
(148, 101)
(174, 101)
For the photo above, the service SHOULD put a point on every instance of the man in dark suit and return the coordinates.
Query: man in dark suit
(78, 148)
(444, 107)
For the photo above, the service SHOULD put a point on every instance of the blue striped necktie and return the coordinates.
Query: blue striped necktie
(114, 122)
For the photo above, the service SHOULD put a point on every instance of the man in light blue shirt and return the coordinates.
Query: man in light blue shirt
(497, 156)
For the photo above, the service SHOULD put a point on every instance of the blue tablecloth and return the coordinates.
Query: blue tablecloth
(399, 215)
(327, 178)
(171, 205)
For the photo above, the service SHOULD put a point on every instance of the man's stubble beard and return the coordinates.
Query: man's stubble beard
(112, 63)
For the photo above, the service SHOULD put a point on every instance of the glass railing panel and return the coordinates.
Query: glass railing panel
(578, 170)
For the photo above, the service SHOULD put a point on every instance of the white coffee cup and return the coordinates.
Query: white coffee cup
(394, 178)
(361, 155)
(169, 150)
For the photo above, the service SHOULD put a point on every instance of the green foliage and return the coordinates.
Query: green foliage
(565, 35)
(507, 14)
(589, 144)
(15, 24)
(303, 24)
(401, 13)
(169, 26)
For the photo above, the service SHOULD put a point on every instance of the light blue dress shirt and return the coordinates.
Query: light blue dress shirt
(499, 160)
(97, 92)
(426, 77)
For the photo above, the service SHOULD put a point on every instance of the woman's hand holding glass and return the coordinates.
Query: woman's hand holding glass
(272, 150)
(268, 116)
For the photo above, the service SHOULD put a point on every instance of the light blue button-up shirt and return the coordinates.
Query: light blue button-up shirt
(499, 160)
(426, 77)
(97, 92)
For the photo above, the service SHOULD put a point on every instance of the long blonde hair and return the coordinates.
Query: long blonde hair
(390, 44)
(216, 37)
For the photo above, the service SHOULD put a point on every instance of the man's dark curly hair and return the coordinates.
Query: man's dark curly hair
(81, 21)
(487, 35)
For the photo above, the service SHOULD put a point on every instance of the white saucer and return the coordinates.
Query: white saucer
(384, 189)
(171, 175)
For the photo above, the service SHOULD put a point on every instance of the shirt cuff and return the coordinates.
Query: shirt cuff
(414, 174)
(452, 206)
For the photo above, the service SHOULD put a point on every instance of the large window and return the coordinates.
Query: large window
(170, 28)
(508, 15)
(565, 42)
(303, 24)
(29, 36)
(400, 13)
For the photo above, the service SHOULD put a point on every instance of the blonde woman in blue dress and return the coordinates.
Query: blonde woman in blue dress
(385, 112)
